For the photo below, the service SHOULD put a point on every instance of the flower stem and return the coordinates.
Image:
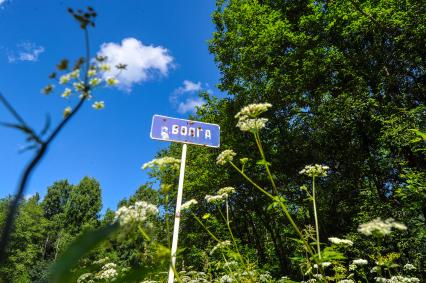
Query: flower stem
(316, 216)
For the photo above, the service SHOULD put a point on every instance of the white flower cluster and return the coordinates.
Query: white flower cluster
(139, 212)
(346, 281)
(325, 264)
(225, 156)
(409, 267)
(188, 204)
(360, 261)
(108, 272)
(253, 110)
(316, 170)
(397, 279)
(220, 245)
(162, 163)
(248, 120)
(226, 191)
(252, 125)
(226, 279)
(380, 227)
(192, 277)
(340, 242)
(222, 195)
(215, 199)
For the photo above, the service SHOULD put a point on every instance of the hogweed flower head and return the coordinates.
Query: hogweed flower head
(346, 281)
(316, 170)
(215, 199)
(162, 163)
(409, 267)
(252, 125)
(108, 272)
(360, 261)
(226, 191)
(64, 79)
(79, 86)
(74, 74)
(188, 204)
(380, 227)
(95, 82)
(91, 73)
(105, 67)
(340, 242)
(111, 81)
(66, 93)
(98, 105)
(225, 156)
(252, 110)
(139, 212)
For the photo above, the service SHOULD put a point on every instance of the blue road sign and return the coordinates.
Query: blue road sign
(185, 131)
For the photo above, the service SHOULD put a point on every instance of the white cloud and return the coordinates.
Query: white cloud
(26, 51)
(143, 61)
(2, 2)
(188, 86)
(189, 105)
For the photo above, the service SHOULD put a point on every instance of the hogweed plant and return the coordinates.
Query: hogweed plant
(77, 81)
(314, 171)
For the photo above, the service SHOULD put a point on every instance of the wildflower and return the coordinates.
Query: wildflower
(214, 199)
(225, 156)
(162, 163)
(316, 170)
(111, 81)
(64, 79)
(67, 111)
(94, 82)
(226, 191)
(325, 264)
(352, 267)
(346, 281)
(104, 67)
(252, 125)
(98, 105)
(316, 266)
(226, 279)
(409, 267)
(91, 73)
(340, 242)
(66, 93)
(253, 110)
(79, 86)
(139, 212)
(375, 269)
(360, 261)
(380, 227)
(188, 204)
(318, 276)
(75, 74)
(380, 279)
(220, 245)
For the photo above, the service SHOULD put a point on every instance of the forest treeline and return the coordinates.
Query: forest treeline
(346, 81)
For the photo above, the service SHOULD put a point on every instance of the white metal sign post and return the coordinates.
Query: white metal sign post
(186, 132)
(177, 214)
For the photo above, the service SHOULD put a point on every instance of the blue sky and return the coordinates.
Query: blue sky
(165, 45)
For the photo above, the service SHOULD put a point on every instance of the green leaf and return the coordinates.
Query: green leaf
(61, 270)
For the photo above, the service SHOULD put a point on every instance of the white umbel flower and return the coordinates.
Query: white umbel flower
(380, 227)
(360, 262)
(316, 170)
(162, 163)
(220, 246)
(225, 156)
(188, 204)
(340, 242)
(253, 110)
(252, 125)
